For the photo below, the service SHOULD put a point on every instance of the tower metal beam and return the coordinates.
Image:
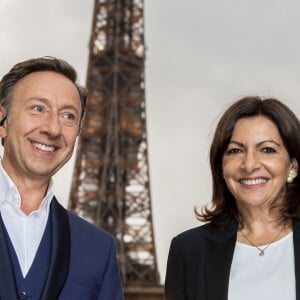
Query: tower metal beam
(111, 184)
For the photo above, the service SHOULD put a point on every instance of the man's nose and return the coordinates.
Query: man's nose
(52, 125)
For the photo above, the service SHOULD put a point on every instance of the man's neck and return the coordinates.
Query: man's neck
(32, 192)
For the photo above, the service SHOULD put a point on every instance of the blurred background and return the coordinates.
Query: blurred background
(201, 56)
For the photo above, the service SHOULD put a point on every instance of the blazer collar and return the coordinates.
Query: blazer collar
(296, 238)
(60, 260)
(219, 253)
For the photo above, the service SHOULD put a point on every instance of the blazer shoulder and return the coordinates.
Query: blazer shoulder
(79, 226)
(190, 240)
(198, 236)
(85, 229)
(198, 232)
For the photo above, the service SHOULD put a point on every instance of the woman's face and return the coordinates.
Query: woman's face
(256, 163)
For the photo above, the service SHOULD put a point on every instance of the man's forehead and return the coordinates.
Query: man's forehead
(46, 82)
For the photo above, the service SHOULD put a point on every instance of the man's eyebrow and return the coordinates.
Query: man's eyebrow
(39, 99)
(48, 102)
(72, 107)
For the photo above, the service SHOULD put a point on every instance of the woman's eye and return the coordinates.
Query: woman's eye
(233, 151)
(268, 150)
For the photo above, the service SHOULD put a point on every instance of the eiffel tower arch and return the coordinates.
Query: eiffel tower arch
(111, 184)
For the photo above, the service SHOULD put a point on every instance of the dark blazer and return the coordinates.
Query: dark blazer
(83, 264)
(199, 263)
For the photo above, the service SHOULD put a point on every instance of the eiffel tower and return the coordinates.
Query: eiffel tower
(111, 186)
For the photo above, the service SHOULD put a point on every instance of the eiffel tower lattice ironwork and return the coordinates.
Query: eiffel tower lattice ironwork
(110, 185)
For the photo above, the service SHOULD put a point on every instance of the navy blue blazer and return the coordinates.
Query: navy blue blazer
(83, 264)
(199, 263)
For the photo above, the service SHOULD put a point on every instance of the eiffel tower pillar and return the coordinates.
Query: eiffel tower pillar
(111, 186)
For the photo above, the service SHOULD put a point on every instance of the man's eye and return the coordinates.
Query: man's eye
(69, 119)
(38, 108)
(68, 116)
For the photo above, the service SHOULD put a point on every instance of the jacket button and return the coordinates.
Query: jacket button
(23, 296)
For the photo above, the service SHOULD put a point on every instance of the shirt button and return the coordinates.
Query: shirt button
(22, 296)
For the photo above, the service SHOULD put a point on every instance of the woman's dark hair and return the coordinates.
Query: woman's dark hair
(224, 208)
(27, 67)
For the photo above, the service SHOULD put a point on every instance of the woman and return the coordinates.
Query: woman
(249, 247)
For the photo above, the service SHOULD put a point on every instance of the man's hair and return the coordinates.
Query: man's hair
(46, 63)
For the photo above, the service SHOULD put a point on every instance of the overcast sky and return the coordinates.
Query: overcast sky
(201, 56)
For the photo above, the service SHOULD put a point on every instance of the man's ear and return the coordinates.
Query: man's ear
(2, 122)
(2, 112)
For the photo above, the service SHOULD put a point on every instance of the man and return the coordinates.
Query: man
(46, 252)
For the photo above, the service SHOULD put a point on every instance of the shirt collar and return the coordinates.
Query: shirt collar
(9, 192)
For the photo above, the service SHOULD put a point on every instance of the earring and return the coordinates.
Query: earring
(291, 177)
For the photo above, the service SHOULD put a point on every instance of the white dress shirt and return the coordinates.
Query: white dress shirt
(25, 231)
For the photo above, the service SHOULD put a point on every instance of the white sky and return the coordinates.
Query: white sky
(201, 56)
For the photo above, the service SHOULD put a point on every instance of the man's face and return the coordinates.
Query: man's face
(41, 127)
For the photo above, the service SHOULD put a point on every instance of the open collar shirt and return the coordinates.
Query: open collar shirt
(25, 231)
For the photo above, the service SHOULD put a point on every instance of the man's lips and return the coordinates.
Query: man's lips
(43, 147)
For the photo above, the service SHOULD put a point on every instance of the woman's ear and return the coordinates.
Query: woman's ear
(294, 166)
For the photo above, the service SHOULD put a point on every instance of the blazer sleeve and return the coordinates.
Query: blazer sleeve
(175, 274)
(111, 286)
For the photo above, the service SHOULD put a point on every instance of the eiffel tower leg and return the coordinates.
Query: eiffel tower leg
(111, 184)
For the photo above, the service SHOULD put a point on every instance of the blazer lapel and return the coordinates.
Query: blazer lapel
(8, 289)
(59, 264)
(296, 237)
(219, 253)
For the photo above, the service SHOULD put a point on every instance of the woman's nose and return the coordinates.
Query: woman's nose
(251, 162)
